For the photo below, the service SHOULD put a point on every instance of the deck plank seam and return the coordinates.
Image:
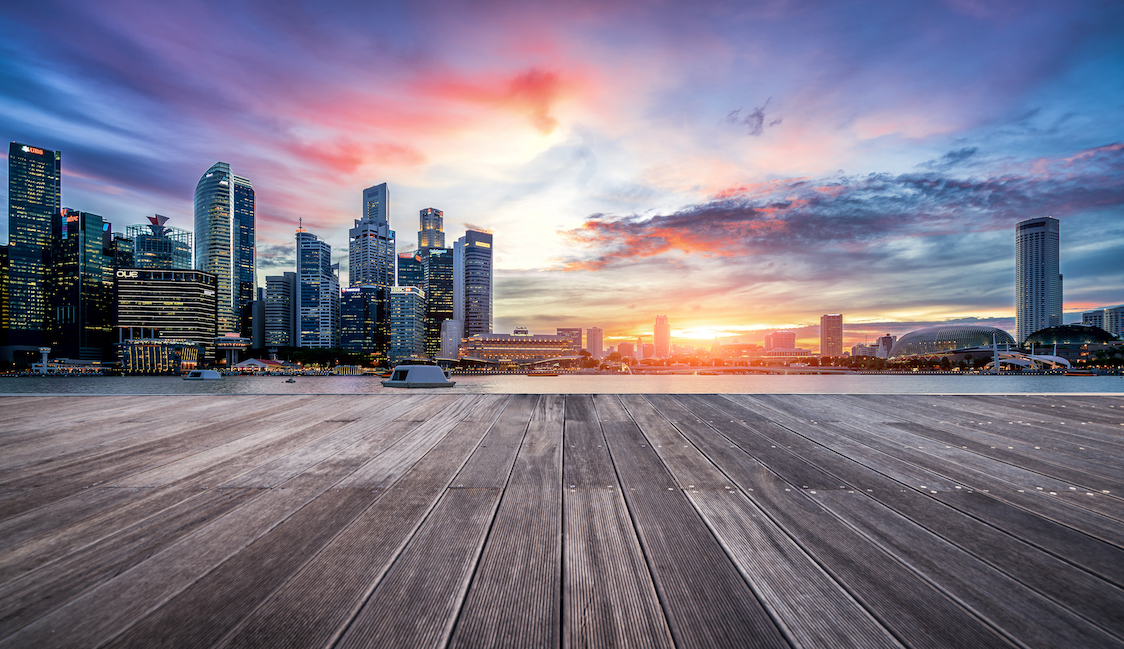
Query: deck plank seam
(333, 641)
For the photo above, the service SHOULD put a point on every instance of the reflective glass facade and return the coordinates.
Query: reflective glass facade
(478, 282)
(407, 324)
(80, 287)
(160, 246)
(34, 176)
(280, 310)
(364, 320)
(318, 293)
(410, 271)
(934, 340)
(437, 264)
(224, 240)
(371, 242)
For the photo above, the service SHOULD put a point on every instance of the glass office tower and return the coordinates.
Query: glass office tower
(364, 320)
(478, 282)
(410, 271)
(318, 293)
(438, 266)
(80, 287)
(370, 252)
(34, 190)
(224, 242)
(160, 246)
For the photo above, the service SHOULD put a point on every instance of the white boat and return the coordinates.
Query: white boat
(203, 375)
(419, 376)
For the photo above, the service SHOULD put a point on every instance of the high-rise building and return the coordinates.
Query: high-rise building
(625, 350)
(1038, 282)
(574, 334)
(780, 340)
(34, 198)
(438, 266)
(365, 320)
(661, 333)
(886, 345)
(280, 310)
(80, 287)
(476, 250)
(451, 336)
(318, 293)
(410, 271)
(831, 335)
(160, 246)
(407, 324)
(167, 304)
(1111, 319)
(370, 252)
(224, 241)
(432, 231)
(593, 342)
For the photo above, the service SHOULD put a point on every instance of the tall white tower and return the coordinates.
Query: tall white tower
(1038, 284)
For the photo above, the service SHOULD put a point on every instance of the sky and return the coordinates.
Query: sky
(737, 166)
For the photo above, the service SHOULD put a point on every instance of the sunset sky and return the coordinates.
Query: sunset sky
(737, 166)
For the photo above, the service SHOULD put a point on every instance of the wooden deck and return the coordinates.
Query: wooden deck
(432, 520)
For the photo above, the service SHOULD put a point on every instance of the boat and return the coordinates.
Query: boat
(290, 380)
(1080, 373)
(419, 376)
(202, 375)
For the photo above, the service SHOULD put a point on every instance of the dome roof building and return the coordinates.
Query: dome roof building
(945, 338)
(1070, 334)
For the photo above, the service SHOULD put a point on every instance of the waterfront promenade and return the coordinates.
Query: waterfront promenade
(428, 519)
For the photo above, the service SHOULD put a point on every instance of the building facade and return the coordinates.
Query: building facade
(225, 206)
(1111, 319)
(831, 334)
(476, 292)
(575, 336)
(1038, 281)
(514, 349)
(451, 336)
(661, 336)
(410, 271)
(437, 263)
(280, 310)
(407, 324)
(371, 242)
(431, 234)
(318, 293)
(167, 304)
(34, 198)
(780, 340)
(365, 320)
(160, 246)
(593, 342)
(80, 287)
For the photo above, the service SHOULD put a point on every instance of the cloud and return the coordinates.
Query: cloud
(755, 120)
(799, 216)
(951, 159)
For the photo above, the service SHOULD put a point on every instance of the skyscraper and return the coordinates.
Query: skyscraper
(407, 324)
(318, 293)
(593, 342)
(224, 241)
(432, 231)
(476, 251)
(438, 266)
(661, 332)
(364, 320)
(34, 191)
(1038, 282)
(160, 246)
(410, 271)
(831, 334)
(80, 287)
(370, 252)
(280, 310)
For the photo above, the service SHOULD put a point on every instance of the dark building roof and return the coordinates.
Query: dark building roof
(1070, 334)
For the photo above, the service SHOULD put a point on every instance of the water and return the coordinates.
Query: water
(579, 384)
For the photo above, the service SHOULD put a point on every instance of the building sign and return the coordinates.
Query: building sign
(31, 149)
(128, 274)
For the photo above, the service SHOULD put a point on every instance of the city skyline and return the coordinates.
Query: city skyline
(765, 170)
